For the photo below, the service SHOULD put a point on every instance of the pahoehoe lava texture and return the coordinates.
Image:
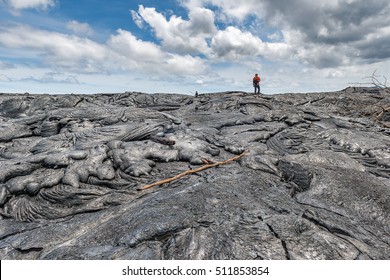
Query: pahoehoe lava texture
(314, 182)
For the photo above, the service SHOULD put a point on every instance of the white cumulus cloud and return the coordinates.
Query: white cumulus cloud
(57, 49)
(79, 28)
(229, 9)
(232, 43)
(137, 19)
(122, 52)
(132, 53)
(182, 36)
(30, 4)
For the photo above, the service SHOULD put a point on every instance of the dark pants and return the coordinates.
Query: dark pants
(257, 88)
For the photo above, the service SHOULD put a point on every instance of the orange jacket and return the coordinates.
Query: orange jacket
(256, 80)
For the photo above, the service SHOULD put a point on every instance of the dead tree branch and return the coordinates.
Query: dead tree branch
(377, 81)
(208, 165)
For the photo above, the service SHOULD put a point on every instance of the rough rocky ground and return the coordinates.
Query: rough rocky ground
(314, 182)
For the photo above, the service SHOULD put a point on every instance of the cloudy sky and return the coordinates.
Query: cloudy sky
(183, 46)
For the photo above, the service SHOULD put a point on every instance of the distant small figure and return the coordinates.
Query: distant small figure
(196, 94)
(256, 83)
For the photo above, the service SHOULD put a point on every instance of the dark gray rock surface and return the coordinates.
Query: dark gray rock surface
(314, 184)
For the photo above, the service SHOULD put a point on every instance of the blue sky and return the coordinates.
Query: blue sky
(183, 46)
